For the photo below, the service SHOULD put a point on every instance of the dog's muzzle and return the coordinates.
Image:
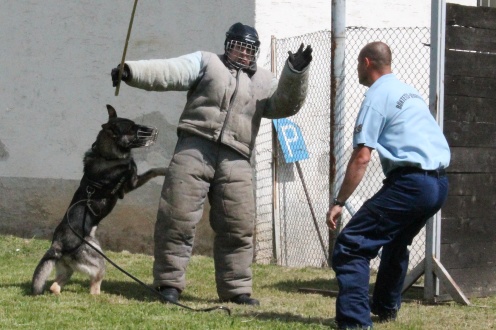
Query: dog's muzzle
(145, 136)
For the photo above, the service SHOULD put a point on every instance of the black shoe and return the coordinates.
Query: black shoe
(169, 294)
(337, 326)
(244, 299)
(385, 315)
(388, 316)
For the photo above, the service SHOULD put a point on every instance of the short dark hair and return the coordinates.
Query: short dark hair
(378, 52)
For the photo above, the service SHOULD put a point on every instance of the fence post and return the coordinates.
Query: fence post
(436, 104)
(276, 236)
(338, 46)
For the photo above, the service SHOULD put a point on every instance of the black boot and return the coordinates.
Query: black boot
(244, 299)
(169, 293)
(385, 315)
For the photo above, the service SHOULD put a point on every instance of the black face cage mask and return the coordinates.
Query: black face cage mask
(241, 55)
(145, 136)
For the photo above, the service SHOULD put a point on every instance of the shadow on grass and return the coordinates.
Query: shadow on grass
(135, 291)
(288, 318)
(128, 289)
(295, 285)
(330, 288)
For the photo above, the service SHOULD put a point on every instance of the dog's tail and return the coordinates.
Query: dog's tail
(43, 271)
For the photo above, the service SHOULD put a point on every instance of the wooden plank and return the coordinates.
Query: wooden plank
(468, 184)
(449, 284)
(469, 254)
(478, 17)
(468, 230)
(469, 206)
(470, 86)
(413, 276)
(469, 134)
(474, 281)
(472, 160)
(468, 64)
(469, 109)
(463, 38)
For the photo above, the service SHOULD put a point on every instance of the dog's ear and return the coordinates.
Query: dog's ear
(111, 111)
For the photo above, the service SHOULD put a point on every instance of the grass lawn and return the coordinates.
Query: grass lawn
(124, 304)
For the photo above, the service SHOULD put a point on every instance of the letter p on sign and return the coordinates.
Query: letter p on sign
(291, 140)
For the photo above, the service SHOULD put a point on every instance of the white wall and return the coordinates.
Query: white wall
(291, 18)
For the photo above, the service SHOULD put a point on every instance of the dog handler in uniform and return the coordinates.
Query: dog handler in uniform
(227, 96)
(395, 121)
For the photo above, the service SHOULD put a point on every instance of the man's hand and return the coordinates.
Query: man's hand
(302, 58)
(126, 74)
(333, 216)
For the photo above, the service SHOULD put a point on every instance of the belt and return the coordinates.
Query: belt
(410, 169)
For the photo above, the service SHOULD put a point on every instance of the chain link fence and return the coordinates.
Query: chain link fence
(293, 198)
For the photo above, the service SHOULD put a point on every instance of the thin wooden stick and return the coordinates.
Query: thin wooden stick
(121, 68)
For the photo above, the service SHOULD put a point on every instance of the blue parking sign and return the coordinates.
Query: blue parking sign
(291, 140)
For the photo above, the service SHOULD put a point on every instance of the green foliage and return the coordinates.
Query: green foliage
(124, 304)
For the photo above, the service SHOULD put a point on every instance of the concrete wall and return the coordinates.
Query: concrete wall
(55, 65)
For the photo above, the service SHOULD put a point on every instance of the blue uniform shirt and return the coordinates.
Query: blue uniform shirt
(396, 121)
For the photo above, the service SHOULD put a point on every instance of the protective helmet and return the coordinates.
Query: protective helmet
(242, 46)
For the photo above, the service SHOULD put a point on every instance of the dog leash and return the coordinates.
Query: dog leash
(156, 293)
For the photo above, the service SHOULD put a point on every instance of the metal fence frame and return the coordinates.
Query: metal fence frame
(288, 193)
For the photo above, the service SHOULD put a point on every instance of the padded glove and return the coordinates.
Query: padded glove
(301, 59)
(126, 74)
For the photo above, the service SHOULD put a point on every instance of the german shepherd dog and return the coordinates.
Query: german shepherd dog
(109, 173)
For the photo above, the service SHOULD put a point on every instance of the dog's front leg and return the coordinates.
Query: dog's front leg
(139, 180)
(95, 286)
(63, 274)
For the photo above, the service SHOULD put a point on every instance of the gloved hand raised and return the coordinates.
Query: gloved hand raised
(301, 58)
(126, 74)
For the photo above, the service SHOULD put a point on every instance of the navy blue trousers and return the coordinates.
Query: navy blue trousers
(389, 220)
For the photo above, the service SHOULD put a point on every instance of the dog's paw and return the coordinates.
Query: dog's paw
(95, 288)
(55, 288)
